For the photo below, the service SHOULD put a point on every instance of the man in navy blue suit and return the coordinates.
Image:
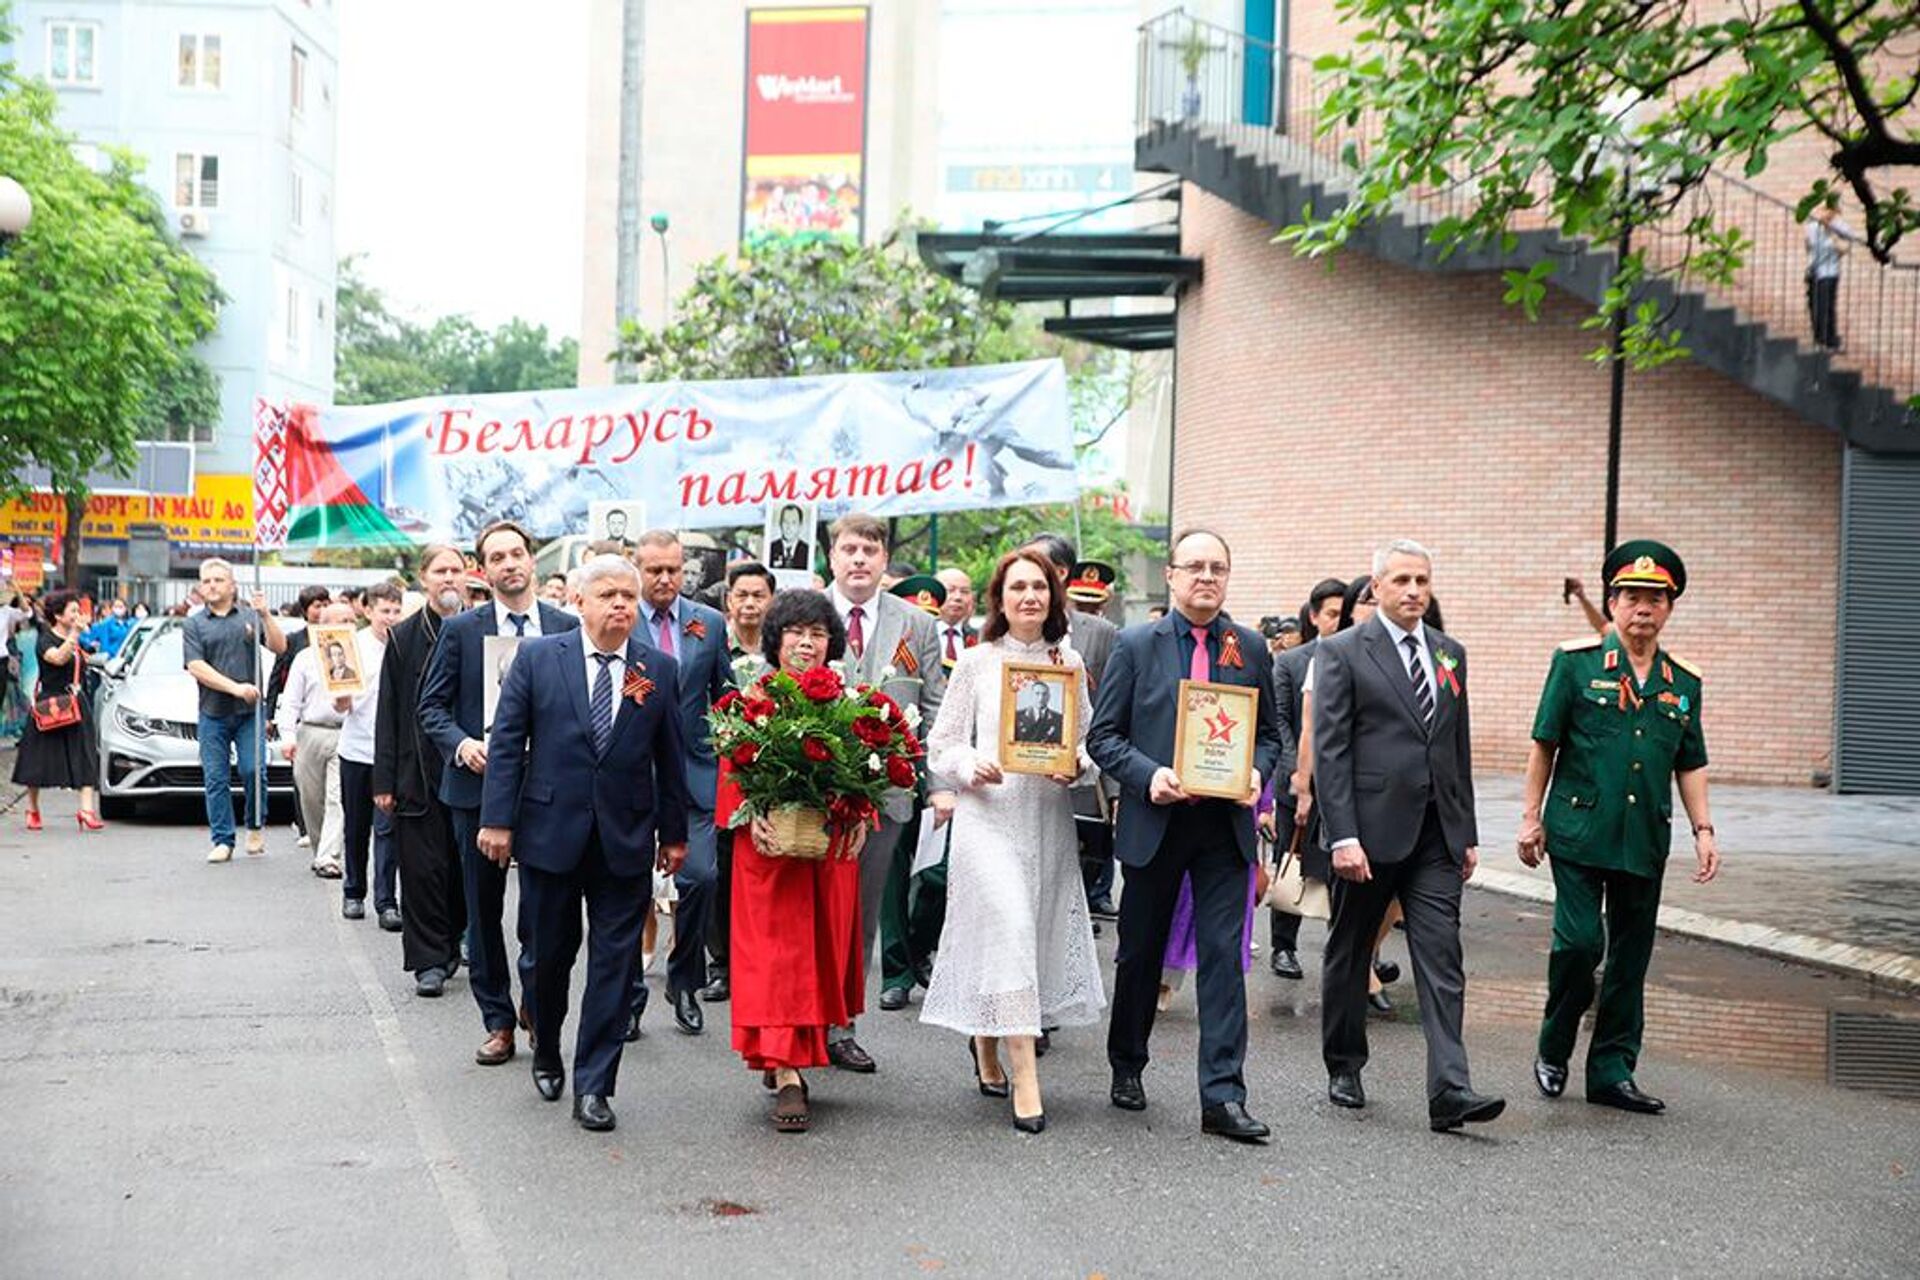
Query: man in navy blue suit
(695, 637)
(453, 712)
(1132, 740)
(586, 772)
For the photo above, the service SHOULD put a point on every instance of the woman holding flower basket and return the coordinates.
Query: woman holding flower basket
(804, 762)
(1017, 951)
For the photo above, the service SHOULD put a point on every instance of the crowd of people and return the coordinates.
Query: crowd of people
(581, 752)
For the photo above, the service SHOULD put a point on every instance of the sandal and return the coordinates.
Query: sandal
(790, 1109)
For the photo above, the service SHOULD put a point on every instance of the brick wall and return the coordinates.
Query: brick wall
(1321, 410)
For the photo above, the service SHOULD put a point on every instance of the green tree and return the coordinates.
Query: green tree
(975, 540)
(382, 356)
(99, 311)
(1523, 106)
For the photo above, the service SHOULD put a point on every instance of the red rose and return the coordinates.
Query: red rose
(822, 684)
(759, 709)
(872, 731)
(746, 753)
(727, 700)
(909, 745)
(888, 707)
(816, 749)
(900, 771)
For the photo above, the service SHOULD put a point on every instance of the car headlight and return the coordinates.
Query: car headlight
(138, 725)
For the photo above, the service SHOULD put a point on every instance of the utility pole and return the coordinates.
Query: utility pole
(626, 278)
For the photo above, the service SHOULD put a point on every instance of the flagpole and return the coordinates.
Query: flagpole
(259, 705)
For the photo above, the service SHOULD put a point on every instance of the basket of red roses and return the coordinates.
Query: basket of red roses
(814, 755)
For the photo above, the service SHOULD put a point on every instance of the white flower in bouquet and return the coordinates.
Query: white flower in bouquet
(912, 713)
(874, 763)
(887, 673)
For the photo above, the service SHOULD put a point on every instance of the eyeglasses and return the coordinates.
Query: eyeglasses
(1204, 569)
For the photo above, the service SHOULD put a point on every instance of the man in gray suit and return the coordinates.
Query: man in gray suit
(883, 631)
(1393, 777)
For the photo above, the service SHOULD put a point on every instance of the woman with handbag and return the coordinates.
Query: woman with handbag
(58, 748)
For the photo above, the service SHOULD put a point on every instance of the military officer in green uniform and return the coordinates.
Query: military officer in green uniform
(913, 907)
(1618, 726)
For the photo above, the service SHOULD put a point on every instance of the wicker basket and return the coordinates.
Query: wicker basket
(801, 833)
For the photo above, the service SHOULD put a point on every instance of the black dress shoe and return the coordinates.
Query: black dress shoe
(1128, 1093)
(1551, 1079)
(1626, 1096)
(717, 991)
(353, 909)
(686, 1013)
(390, 921)
(1103, 909)
(894, 999)
(1343, 1090)
(1031, 1124)
(1378, 1002)
(550, 1081)
(1230, 1120)
(429, 983)
(1287, 965)
(593, 1113)
(1456, 1107)
(849, 1056)
(632, 1032)
(1387, 971)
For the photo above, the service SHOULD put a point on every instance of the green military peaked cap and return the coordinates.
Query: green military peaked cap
(921, 589)
(1645, 563)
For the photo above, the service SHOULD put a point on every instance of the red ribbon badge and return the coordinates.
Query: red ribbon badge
(903, 659)
(696, 628)
(1445, 668)
(636, 686)
(1230, 650)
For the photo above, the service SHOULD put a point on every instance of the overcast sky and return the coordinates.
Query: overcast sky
(462, 155)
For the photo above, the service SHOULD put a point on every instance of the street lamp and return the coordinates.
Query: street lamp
(659, 224)
(16, 211)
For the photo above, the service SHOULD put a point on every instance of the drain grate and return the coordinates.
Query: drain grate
(1874, 1051)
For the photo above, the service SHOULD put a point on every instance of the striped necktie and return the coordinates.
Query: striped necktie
(600, 706)
(1417, 672)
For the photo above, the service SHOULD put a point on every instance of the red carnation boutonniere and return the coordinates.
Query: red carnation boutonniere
(1448, 667)
(1230, 659)
(696, 628)
(904, 660)
(973, 638)
(636, 686)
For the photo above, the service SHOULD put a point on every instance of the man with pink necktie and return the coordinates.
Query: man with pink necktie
(1164, 835)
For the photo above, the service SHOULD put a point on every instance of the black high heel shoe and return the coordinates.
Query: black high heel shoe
(999, 1089)
(1031, 1124)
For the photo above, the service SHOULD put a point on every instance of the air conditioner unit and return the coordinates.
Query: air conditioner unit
(196, 224)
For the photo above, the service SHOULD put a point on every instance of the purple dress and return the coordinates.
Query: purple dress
(1183, 950)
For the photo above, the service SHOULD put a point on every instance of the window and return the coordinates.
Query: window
(298, 80)
(196, 181)
(297, 201)
(199, 62)
(71, 49)
(294, 336)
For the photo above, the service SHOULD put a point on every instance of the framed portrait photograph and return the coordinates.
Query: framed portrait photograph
(1038, 719)
(788, 543)
(496, 656)
(338, 654)
(621, 521)
(1213, 738)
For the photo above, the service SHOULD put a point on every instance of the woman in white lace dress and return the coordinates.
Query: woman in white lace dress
(1016, 953)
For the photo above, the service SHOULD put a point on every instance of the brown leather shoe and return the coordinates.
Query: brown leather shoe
(497, 1049)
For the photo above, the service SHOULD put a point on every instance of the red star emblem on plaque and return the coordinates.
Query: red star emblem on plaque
(1220, 726)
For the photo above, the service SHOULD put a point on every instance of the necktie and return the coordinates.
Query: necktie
(600, 706)
(953, 639)
(663, 623)
(856, 633)
(1417, 672)
(519, 621)
(1201, 668)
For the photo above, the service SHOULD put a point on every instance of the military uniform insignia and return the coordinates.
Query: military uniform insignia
(1608, 685)
(1579, 643)
(903, 658)
(1687, 667)
(1612, 662)
(1666, 671)
(1230, 650)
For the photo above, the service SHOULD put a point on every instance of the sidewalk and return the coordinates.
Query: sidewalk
(1805, 875)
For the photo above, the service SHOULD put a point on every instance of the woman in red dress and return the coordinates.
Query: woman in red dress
(793, 919)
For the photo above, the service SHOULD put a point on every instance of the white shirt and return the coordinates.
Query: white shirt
(503, 625)
(869, 614)
(10, 618)
(356, 731)
(1419, 634)
(616, 672)
(305, 699)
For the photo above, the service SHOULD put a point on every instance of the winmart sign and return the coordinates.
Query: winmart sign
(803, 90)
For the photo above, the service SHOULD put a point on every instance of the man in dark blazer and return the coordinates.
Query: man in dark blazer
(695, 637)
(1393, 778)
(585, 772)
(453, 711)
(407, 767)
(1165, 835)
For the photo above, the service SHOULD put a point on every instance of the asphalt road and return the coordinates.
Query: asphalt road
(208, 1072)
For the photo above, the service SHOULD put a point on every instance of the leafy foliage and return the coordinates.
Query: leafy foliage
(1602, 113)
(974, 541)
(382, 356)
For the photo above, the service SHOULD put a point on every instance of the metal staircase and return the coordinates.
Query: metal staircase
(1240, 119)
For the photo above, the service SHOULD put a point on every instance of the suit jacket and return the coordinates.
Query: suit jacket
(789, 555)
(546, 782)
(1289, 688)
(1376, 766)
(1134, 715)
(406, 762)
(706, 672)
(1092, 637)
(453, 694)
(897, 625)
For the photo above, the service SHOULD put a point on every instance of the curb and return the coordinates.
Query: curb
(1889, 967)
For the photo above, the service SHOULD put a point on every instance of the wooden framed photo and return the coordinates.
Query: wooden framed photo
(1213, 738)
(1039, 729)
(338, 654)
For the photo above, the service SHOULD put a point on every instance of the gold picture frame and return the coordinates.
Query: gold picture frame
(337, 653)
(1039, 719)
(1213, 738)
